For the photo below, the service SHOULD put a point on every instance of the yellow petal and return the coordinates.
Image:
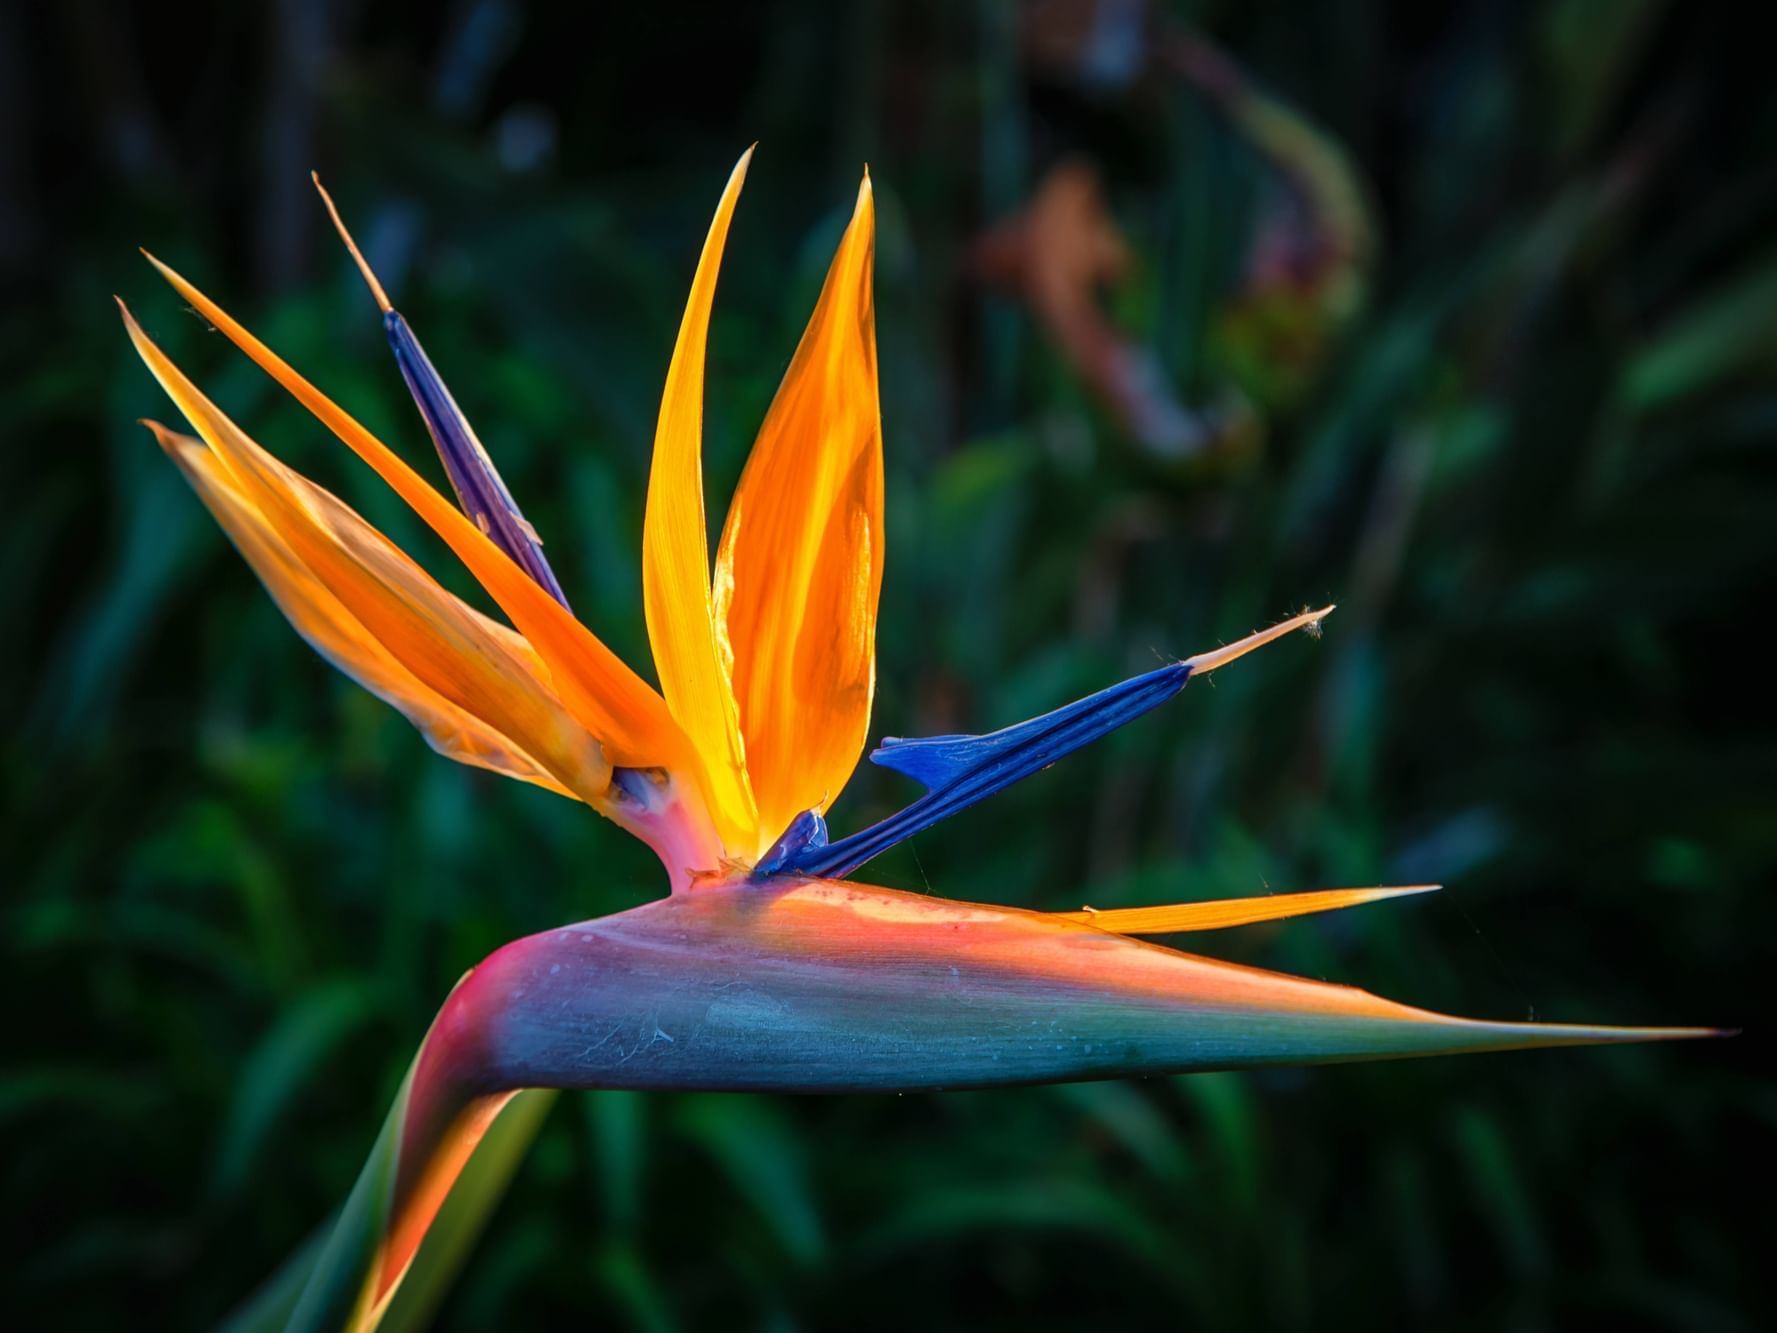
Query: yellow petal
(340, 637)
(800, 564)
(613, 703)
(1230, 911)
(689, 651)
(450, 649)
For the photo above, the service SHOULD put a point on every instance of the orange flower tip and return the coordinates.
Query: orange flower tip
(376, 288)
(171, 442)
(138, 335)
(166, 271)
(1218, 657)
(1223, 913)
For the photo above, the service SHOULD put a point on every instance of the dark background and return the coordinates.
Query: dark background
(1518, 423)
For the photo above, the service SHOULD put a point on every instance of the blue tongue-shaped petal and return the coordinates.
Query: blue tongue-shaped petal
(958, 771)
(943, 763)
(939, 761)
(480, 491)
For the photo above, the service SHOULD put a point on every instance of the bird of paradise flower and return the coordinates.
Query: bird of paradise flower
(764, 968)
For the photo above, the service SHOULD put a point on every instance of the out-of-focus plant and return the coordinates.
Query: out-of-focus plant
(1059, 254)
(1307, 267)
(1306, 250)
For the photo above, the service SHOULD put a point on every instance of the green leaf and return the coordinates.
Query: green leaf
(754, 1146)
(1732, 329)
(1129, 1117)
(618, 1129)
(338, 1273)
(286, 1060)
(471, 1201)
(269, 1308)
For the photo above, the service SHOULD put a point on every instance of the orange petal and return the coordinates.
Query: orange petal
(340, 637)
(690, 652)
(1230, 911)
(610, 701)
(800, 565)
(450, 648)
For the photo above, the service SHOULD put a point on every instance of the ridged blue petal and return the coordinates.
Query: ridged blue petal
(958, 771)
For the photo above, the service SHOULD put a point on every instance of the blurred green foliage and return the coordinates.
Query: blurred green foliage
(1535, 470)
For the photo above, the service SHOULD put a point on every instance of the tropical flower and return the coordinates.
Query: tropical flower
(763, 968)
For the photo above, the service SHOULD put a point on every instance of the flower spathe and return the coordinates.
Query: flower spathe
(763, 969)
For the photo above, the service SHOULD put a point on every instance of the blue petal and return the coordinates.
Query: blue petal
(480, 491)
(958, 771)
(806, 834)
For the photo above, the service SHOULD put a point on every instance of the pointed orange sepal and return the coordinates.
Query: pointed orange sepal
(799, 570)
(1230, 911)
(690, 650)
